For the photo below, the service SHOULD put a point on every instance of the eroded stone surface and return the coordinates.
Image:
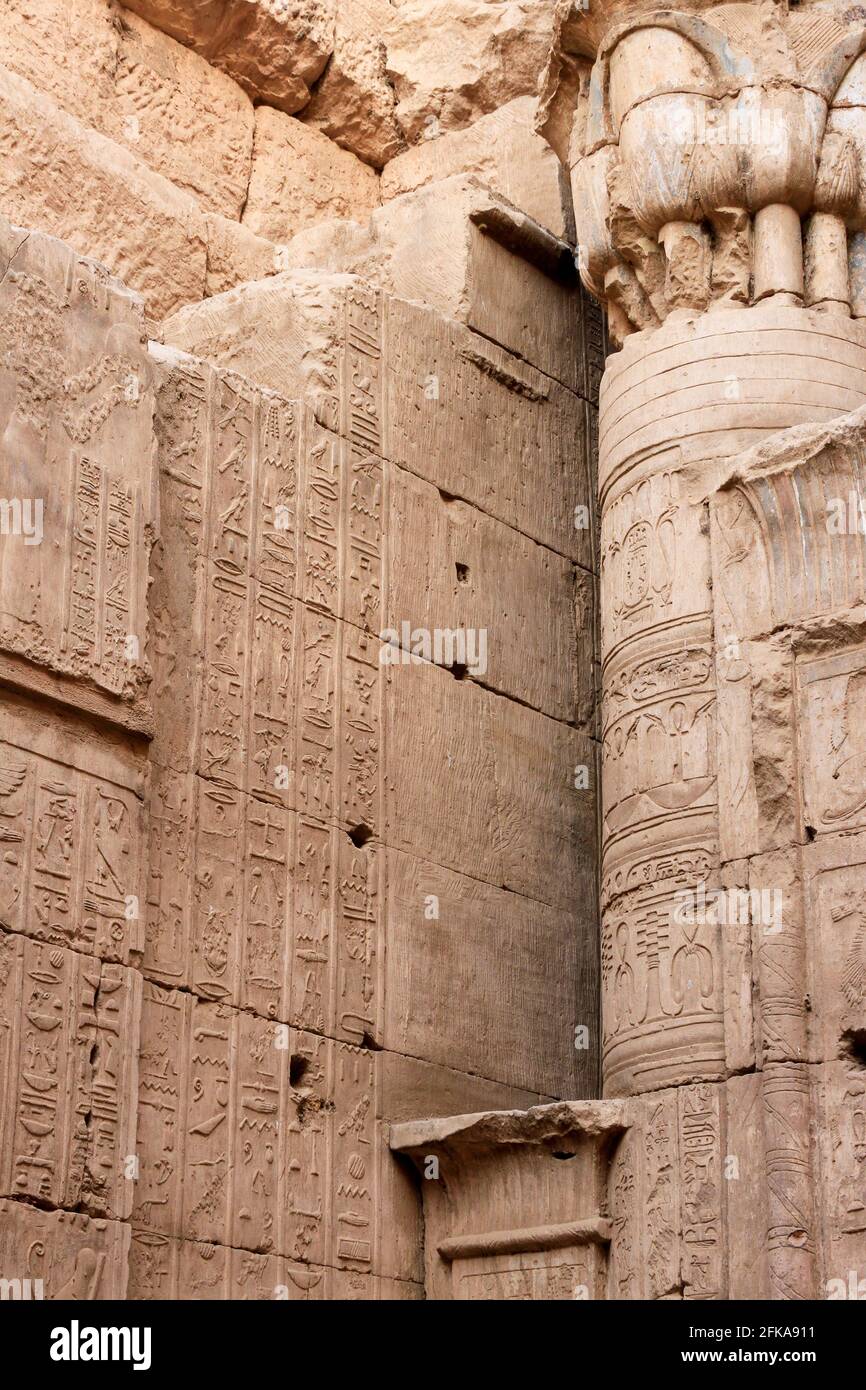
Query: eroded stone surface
(354, 101)
(332, 821)
(75, 1257)
(300, 177)
(150, 234)
(274, 52)
(77, 411)
(452, 63)
(478, 404)
(69, 1064)
(505, 152)
(175, 112)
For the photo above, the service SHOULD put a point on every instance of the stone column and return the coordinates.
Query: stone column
(716, 162)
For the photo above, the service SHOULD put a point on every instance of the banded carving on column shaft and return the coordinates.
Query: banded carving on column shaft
(716, 159)
(662, 976)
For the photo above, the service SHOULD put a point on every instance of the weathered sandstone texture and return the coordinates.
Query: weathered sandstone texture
(354, 101)
(432, 746)
(505, 152)
(299, 177)
(108, 203)
(258, 885)
(275, 51)
(452, 62)
(105, 66)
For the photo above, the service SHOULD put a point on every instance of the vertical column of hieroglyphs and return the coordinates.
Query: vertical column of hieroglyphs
(76, 519)
(256, 1093)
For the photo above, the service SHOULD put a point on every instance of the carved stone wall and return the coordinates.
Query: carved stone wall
(275, 873)
(353, 648)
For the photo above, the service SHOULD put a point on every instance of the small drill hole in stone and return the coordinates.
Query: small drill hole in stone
(298, 1068)
(360, 835)
(462, 573)
(854, 1045)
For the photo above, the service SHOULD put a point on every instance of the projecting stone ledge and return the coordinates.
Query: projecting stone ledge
(506, 1216)
(572, 1121)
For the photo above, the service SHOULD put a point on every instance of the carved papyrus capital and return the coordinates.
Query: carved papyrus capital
(716, 159)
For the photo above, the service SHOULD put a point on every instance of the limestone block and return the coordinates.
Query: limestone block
(283, 333)
(495, 431)
(274, 53)
(507, 155)
(179, 115)
(451, 63)
(61, 178)
(336, 246)
(486, 787)
(468, 274)
(303, 695)
(469, 968)
(266, 609)
(303, 532)
(244, 937)
(299, 176)
(74, 833)
(262, 1138)
(76, 460)
(410, 1087)
(353, 101)
(68, 1060)
(235, 255)
(75, 1256)
(480, 576)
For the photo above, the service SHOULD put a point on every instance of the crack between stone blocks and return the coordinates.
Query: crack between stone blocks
(271, 1254)
(13, 257)
(308, 1031)
(492, 690)
(513, 352)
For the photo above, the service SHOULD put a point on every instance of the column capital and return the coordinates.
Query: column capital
(716, 157)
